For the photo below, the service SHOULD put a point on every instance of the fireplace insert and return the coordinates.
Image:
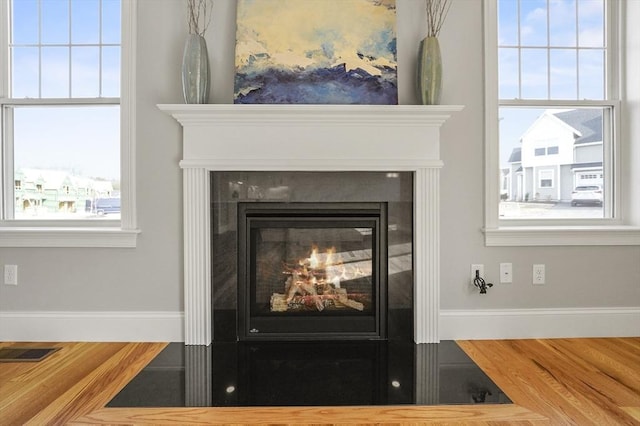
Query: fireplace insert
(312, 271)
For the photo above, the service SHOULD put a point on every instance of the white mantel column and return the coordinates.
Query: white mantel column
(197, 257)
(426, 228)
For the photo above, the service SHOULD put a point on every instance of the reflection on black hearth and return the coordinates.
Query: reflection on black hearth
(310, 374)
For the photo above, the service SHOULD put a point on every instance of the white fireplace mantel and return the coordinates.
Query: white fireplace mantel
(310, 138)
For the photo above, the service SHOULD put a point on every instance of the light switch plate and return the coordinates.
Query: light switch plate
(506, 273)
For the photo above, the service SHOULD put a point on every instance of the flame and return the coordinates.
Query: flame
(317, 280)
(314, 262)
(329, 259)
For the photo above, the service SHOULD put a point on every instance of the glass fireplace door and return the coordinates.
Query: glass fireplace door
(308, 273)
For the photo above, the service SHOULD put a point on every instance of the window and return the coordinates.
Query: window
(545, 179)
(553, 62)
(552, 108)
(67, 86)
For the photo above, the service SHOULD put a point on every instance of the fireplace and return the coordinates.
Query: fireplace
(318, 138)
(312, 271)
(312, 255)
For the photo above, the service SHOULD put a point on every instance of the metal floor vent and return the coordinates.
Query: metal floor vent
(25, 354)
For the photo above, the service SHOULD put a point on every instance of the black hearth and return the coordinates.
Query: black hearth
(310, 271)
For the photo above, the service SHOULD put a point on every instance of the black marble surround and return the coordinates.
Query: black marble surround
(393, 188)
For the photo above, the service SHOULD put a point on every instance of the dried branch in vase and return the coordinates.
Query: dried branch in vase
(436, 13)
(199, 15)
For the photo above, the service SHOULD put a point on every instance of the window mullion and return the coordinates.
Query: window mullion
(100, 49)
(70, 50)
(555, 103)
(5, 60)
(61, 101)
(39, 48)
(577, 48)
(548, 54)
(519, 51)
(612, 52)
(7, 190)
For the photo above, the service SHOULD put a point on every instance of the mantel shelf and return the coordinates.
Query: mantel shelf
(351, 115)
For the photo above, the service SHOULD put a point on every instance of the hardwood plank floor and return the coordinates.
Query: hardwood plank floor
(569, 381)
(74, 381)
(556, 381)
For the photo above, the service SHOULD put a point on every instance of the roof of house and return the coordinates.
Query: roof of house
(595, 164)
(516, 155)
(587, 122)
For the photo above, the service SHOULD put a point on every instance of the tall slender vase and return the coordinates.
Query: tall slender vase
(195, 70)
(429, 75)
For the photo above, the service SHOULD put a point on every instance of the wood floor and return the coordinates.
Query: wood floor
(559, 381)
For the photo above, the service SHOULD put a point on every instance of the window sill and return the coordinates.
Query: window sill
(562, 236)
(68, 237)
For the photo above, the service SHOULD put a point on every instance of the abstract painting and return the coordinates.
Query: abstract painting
(316, 52)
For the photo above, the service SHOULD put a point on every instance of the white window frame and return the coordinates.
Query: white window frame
(550, 232)
(122, 233)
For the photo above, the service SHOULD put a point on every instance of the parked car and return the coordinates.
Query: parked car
(107, 205)
(587, 194)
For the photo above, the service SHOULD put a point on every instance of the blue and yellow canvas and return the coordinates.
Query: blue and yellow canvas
(316, 52)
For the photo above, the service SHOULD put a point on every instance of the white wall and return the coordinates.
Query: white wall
(149, 277)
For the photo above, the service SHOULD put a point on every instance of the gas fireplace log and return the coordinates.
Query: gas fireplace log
(280, 303)
(295, 285)
(344, 300)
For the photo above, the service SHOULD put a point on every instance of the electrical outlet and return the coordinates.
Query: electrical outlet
(506, 273)
(538, 274)
(477, 267)
(11, 274)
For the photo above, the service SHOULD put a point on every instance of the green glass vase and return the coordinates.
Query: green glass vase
(429, 75)
(195, 70)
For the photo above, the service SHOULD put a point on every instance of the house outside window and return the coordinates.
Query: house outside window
(68, 82)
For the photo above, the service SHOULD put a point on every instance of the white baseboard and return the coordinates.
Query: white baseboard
(91, 326)
(539, 323)
(21, 326)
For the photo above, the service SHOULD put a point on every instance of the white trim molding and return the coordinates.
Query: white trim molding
(539, 323)
(68, 237)
(563, 236)
(128, 110)
(28, 326)
(151, 326)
